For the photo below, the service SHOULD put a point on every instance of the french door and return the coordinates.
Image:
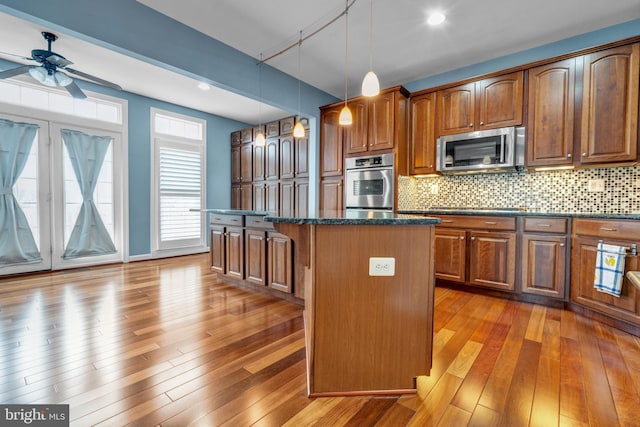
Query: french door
(69, 193)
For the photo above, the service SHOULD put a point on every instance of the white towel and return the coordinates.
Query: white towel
(609, 269)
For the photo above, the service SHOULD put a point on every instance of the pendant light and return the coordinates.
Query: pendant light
(370, 84)
(298, 129)
(261, 141)
(346, 118)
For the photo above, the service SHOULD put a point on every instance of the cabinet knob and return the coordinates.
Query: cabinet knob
(562, 245)
(569, 156)
(473, 238)
(470, 125)
(584, 154)
(481, 123)
(461, 237)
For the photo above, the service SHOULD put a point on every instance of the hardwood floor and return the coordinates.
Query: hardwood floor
(169, 343)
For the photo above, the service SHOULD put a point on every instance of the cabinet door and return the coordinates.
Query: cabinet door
(273, 197)
(423, 134)
(331, 194)
(500, 101)
(246, 162)
(280, 271)
(236, 172)
(543, 263)
(255, 256)
(217, 249)
(456, 109)
(234, 250)
(610, 105)
(301, 155)
(272, 129)
(301, 198)
(236, 197)
(246, 196)
(381, 121)
(258, 162)
(286, 157)
(331, 143)
(583, 261)
(450, 254)
(271, 160)
(259, 197)
(287, 198)
(236, 138)
(550, 114)
(356, 133)
(492, 260)
(246, 135)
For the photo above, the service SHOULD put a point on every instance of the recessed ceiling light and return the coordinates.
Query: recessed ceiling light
(436, 18)
(203, 86)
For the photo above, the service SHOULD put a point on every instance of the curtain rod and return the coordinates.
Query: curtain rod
(302, 39)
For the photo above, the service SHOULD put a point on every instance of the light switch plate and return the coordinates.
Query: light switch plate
(595, 185)
(382, 266)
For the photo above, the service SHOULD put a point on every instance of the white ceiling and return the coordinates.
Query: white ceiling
(404, 48)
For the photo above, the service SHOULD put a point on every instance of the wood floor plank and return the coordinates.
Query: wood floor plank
(546, 400)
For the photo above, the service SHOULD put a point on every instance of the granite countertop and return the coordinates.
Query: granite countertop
(355, 218)
(234, 211)
(512, 212)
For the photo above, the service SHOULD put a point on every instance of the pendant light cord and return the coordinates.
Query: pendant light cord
(371, 35)
(346, 49)
(299, 46)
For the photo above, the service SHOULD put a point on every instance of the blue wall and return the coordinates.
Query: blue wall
(218, 155)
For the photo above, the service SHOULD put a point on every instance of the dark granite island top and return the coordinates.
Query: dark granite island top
(368, 291)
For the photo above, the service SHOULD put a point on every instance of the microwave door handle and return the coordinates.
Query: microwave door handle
(502, 138)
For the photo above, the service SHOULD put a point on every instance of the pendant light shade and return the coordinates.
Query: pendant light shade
(260, 141)
(298, 130)
(346, 118)
(370, 84)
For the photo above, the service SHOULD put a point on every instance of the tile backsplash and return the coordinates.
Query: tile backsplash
(562, 191)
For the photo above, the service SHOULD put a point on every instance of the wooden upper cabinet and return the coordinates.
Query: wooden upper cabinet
(286, 125)
(287, 158)
(236, 173)
(301, 156)
(246, 162)
(258, 162)
(331, 194)
(500, 101)
(381, 121)
(456, 109)
(356, 133)
(236, 138)
(246, 135)
(423, 134)
(272, 129)
(271, 159)
(486, 104)
(331, 142)
(550, 120)
(609, 128)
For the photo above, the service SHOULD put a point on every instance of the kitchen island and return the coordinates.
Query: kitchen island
(369, 283)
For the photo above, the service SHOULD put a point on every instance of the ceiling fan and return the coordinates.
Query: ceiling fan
(49, 71)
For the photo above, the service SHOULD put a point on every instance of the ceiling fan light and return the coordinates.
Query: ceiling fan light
(38, 73)
(260, 139)
(346, 118)
(298, 130)
(370, 84)
(62, 79)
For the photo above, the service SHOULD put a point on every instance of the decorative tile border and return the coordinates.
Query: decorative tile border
(562, 191)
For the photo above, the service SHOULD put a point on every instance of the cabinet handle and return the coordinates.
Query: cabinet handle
(562, 245)
(608, 229)
(544, 225)
(490, 222)
(569, 156)
(446, 220)
(268, 239)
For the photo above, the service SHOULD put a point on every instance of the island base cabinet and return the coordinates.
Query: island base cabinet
(369, 333)
(492, 260)
(255, 256)
(234, 249)
(280, 258)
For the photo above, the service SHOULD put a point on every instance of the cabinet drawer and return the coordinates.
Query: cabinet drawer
(257, 221)
(481, 222)
(226, 219)
(546, 225)
(616, 229)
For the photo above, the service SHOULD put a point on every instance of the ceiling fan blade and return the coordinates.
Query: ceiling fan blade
(75, 91)
(93, 78)
(14, 71)
(58, 60)
(16, 56)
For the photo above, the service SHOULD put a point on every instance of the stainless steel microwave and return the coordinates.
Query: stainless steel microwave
(492, 150)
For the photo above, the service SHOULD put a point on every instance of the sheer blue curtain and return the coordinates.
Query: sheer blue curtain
(89, 236)
(17, 245)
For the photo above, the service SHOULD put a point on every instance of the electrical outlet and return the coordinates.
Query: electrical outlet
(637, 183)
(595, 186)
(382, 266)
(435, 188)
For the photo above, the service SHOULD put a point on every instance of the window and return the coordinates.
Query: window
(178, 180)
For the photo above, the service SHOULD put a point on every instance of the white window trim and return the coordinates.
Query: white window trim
(156, 251)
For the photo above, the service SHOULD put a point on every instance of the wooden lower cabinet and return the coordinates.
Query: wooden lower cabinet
(234, 251)
(217, 249)
(280, 269)
(543, 264)
(584, 241)
(331, 194)
(255, 256)
(492, 260)
(450, 255)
